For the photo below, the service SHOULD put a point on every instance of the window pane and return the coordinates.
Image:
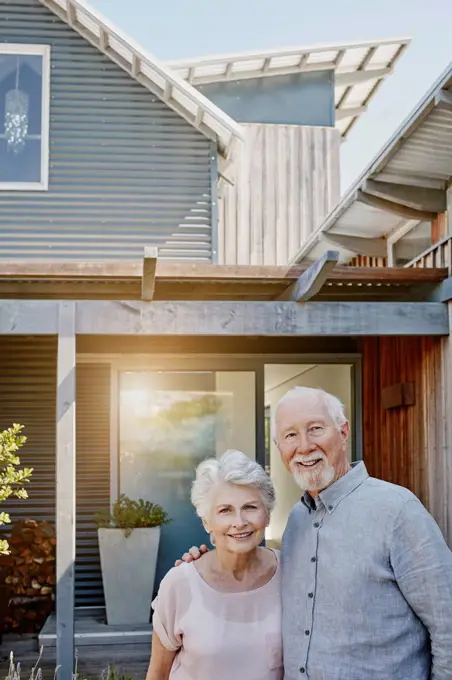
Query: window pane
(413, 243)
(20, 117)
(168, 423)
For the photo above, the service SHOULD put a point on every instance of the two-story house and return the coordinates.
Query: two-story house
(223, 168)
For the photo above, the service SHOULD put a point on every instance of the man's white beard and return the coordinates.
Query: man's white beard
(312, 480)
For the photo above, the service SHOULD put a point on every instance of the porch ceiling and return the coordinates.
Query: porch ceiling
(192, 281)
(404, 185)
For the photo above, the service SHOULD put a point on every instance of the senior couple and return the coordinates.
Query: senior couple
(362, 589)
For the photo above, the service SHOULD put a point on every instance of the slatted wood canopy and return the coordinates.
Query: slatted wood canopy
(200, 281)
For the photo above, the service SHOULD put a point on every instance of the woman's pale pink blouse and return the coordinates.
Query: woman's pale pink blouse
(219, 636)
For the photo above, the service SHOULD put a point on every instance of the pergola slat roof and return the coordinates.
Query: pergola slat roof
(195, 281)
(404, 185)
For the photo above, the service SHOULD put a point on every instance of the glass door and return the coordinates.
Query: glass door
(169, 421)
(279, 378)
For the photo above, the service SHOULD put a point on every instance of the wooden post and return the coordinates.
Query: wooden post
(149, 267)
(65, 490)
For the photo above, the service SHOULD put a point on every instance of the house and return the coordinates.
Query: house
(398, 213)
(149, 217)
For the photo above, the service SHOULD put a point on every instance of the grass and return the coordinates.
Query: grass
(14, 671)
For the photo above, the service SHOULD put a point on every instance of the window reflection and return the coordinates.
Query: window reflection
(21, 92)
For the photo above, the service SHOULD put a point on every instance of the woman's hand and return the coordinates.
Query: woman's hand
(193, 554)
(161, 660)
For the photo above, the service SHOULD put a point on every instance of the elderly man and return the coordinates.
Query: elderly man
(367, 575)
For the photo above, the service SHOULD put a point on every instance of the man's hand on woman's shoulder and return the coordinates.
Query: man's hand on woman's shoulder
(193, 554)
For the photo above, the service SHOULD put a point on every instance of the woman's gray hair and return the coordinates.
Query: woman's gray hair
(234, 467)
(333, 404)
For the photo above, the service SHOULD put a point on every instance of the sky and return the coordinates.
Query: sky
(175, 29)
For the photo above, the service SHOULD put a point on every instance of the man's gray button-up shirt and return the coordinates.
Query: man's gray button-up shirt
(367, 586)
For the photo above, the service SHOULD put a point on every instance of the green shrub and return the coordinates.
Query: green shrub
(128, 514)
(12, 477)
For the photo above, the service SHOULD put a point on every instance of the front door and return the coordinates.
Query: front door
(169, 421)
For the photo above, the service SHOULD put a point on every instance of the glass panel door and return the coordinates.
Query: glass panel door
(168, 423)
(279, 379)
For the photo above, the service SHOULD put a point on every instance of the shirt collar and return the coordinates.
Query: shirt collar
(334, 494)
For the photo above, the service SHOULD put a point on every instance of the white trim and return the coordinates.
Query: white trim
(358, 67)
(152, 74)
(44, 52)
(114, 431)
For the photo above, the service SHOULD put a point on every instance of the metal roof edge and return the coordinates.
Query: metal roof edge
(402, 132)
(221, 128)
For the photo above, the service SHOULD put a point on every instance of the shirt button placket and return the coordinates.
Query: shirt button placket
(317, 523)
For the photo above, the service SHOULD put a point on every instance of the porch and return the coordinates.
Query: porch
(113, 318)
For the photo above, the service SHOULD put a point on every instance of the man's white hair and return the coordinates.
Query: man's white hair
(234, 467)
(333, 405)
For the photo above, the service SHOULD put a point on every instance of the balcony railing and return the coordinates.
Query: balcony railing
(438, 255)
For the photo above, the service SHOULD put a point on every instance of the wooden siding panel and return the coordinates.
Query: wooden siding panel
(410, 445)
(287, 180)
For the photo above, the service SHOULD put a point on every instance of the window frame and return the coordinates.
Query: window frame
(44, 52)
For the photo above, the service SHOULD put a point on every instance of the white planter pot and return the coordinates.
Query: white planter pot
(128, 573)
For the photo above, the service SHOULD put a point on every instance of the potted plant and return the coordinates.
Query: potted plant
(129, 537)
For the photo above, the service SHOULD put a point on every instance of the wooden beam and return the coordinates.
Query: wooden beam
(65, 490)
(71, 13)
(411, 180)
(149, 269)
(124, 270)
(444, 99)
(417, 198)
(356, 77)
(311, 281)
(103, 40)
(33, 319)
(443, 292)
(260, 318)
(395, 208)
(349, 112)
(371, 247)
(216, 318)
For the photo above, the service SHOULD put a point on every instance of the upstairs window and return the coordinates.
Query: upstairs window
(24, 117)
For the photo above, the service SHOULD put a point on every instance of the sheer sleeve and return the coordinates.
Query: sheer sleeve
(167, 612)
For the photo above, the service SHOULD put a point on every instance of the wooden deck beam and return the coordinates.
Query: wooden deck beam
(311, 281)
(148, 277)
(214, 318)
(206, 272)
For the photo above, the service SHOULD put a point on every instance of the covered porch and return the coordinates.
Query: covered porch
(91, 322)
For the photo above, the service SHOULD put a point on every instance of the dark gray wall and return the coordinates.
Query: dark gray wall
(297, 99)
(125, 170)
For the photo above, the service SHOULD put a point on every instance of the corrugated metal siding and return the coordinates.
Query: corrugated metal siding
(93, 476)
(428, 151)
(28, 397)
(125, 170)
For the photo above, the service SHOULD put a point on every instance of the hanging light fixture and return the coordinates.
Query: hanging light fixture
(16, 117)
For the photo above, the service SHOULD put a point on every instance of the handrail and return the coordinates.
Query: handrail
(437, 255)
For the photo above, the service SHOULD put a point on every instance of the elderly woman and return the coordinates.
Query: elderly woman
(220, 617)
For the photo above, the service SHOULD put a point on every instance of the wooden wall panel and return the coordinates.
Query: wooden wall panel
(286, 182)
(409, 445)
